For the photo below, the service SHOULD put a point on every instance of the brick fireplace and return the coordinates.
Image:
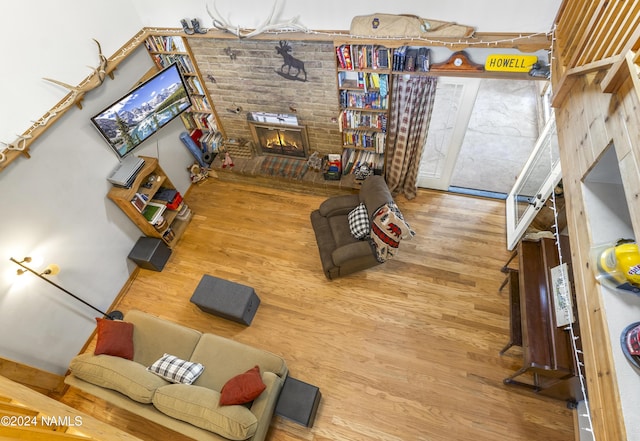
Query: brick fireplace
(281, 140)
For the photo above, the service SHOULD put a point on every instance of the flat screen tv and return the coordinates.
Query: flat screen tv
(143, 111)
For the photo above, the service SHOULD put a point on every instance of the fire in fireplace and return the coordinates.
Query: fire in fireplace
(274, 139)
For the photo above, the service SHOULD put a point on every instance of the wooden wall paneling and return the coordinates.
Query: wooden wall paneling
(578, 126)
(596, 133)
(608, 113)
(618, 128)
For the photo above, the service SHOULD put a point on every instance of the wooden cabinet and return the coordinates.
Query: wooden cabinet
(201, 120)
(149, 188)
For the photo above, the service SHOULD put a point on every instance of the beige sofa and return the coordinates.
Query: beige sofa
(193, 409)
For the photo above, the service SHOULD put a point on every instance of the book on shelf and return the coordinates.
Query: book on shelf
(363, 100)
(343, 53)
(362, 56)
(139, 201)
(165, 194)
(410, 60)
(165, 43)
(399, 55)
(352, 159)
(356, 119)
(423, 62)
(383, 57)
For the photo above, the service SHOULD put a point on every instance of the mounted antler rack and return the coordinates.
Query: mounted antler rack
(20, 146)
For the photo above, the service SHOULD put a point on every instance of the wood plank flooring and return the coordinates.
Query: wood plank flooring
(405, 351)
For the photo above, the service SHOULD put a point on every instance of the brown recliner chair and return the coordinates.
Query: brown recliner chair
(340, 252)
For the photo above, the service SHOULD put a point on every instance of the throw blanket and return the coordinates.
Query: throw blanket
(387, 228)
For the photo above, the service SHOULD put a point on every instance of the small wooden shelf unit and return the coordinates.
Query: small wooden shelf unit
(148, 181)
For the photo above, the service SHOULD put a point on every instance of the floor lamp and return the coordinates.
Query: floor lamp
(54, 269)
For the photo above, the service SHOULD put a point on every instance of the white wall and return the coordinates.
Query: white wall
(485, 15)
(55, 205)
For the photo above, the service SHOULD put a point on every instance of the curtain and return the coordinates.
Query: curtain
(413, 98)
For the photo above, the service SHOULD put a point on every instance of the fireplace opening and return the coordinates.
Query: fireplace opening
(281, 140)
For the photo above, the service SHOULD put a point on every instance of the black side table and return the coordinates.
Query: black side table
(298, 401)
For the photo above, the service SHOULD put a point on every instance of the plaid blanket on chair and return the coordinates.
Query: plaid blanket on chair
(387, 228)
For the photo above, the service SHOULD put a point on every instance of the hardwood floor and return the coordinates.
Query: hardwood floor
(405, 351)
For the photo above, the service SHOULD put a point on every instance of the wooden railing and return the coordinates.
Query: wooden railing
(591, 36)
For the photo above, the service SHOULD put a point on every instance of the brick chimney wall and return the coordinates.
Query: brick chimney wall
(243, 74)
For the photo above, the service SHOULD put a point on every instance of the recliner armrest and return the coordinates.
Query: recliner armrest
(349, 252)
(337, 205)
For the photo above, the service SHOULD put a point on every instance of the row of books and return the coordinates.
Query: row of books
(363, 80)
(365, 139)
(363, 100)
(200, 103)
(207, 141)
(355, 119)
(194, 86)
(184, 62)
(411, 59)
(356, 56)
(352, 159)
(159, 43)
(198, 120)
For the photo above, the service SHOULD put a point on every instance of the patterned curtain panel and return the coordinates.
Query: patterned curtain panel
(413, 99)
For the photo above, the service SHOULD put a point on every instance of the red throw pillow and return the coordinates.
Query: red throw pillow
(242, 388)
(115, 338)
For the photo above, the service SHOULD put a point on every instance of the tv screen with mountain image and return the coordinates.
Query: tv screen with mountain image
(139, 114)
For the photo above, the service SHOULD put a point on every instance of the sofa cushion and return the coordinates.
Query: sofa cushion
(125, 376)
(153, 337)
(226, 358)
(242, 388)
(359, 222)
(176, 370)
(115, 338)
(200, 406)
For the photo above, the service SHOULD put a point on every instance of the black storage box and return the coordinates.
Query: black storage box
(150, 253)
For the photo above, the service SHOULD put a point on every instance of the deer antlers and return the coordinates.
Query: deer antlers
(223, 25)
(21, 144)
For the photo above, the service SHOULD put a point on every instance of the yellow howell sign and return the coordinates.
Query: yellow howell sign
(510, 63)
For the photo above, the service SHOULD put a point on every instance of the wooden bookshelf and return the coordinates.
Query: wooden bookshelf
(149, 181)
(201, 120)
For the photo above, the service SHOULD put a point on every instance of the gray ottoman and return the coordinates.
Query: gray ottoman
(226, 299)
(150, 253)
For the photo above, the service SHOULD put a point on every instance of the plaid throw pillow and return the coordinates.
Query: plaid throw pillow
(359, 222)
(175, 370)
